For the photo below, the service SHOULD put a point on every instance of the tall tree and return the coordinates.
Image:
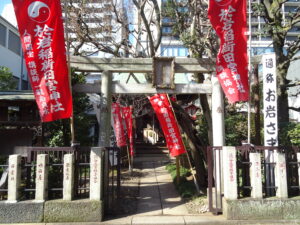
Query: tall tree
(120, 28)
(277, 25)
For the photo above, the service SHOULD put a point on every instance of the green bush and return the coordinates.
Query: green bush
(185, 188)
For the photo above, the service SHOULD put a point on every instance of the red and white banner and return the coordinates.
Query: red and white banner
(166, 117)
(127, 114)
(228, 18)
(118, 124)
(42, 36)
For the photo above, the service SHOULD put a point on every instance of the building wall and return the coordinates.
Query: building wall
(11, 53)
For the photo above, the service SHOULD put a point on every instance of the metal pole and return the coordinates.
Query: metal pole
(69, 72)
(249, 70)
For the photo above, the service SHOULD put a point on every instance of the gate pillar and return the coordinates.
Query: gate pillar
(218, 130)
(105, 109)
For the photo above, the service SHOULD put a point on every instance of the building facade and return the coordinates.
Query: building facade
(11, 55)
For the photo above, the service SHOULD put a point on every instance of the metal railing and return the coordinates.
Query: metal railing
(112, 179)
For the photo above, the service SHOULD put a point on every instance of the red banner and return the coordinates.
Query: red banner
(118, 124)
(166, 117)
(42, 36)
(127, 113)
(228, 17)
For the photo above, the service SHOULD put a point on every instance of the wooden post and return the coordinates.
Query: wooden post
(129, 159)
(177, 170)
(105, 110)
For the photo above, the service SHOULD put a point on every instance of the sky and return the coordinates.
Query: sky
(6, 10)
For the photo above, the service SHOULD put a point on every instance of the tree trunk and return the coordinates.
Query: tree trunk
(195, 145)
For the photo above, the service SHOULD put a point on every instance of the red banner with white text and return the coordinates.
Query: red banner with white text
(127, 113)
(229, 19)
(118, 124)
(42, 36)
(168, 123)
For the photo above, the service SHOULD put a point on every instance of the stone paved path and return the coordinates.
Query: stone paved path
(158, 195)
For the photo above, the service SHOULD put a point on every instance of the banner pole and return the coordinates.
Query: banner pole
(190, 164)
(249, 70)
(177, 170)
(69, 72)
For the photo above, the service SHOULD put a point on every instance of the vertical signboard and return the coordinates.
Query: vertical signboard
(270, 116)
(270, 100)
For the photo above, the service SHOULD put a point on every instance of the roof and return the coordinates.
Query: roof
(17, 95)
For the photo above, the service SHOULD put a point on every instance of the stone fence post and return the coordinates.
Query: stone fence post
(255, 175)
(68, 180)
(96, 178)
(280, 175)
(14, 178)
(229, 171)
(41, 180)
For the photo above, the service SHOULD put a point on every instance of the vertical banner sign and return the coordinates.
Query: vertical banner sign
(228, 18)
(166, 117)
(270, 100)
(118, 125)
(42, 36)
(127, 113)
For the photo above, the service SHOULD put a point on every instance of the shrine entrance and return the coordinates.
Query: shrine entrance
(162, 73)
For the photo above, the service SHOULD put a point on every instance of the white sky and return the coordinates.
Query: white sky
(7, 11)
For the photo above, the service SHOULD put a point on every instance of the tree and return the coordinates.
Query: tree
(57, 133)
(7, 81)
(115, 27)
(277, 25)
(196, 33)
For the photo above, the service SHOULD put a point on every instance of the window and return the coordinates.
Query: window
(171, 51)
(14, 43)
(2, 35)
(167, 30)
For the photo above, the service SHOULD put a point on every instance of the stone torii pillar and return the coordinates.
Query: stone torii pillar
(105, 109)
(217, 108)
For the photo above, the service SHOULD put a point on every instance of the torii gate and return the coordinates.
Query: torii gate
(108, 66)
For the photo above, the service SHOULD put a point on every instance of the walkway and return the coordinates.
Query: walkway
(157, 192)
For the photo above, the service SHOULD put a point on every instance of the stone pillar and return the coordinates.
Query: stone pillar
(41, 180)
(255, 175)
(218, 130)
(68, 182)
(105, 109)
(96, 179)
(14, 178)
(229, 171)
(217, 108)
(280, 175)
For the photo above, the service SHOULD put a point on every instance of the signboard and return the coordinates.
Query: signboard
(270, 100)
